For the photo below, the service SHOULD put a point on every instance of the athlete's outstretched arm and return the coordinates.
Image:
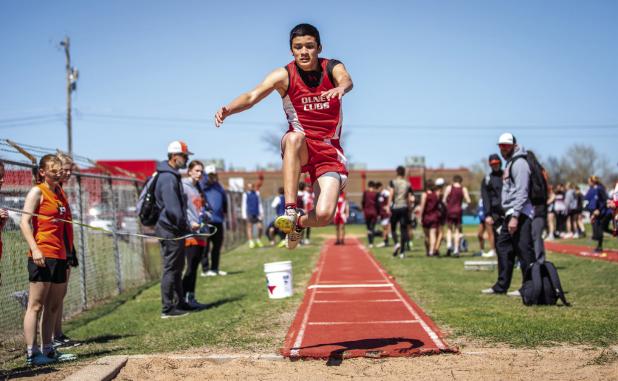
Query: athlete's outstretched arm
(275, 80)
(343, 81)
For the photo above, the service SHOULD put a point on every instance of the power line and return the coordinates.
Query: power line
(173, 119)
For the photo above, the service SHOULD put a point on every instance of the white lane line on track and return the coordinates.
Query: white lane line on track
(303, 325)
(339, 292)
(344, 282)
(358, 301)
(350, 285)
(364, 322)
(432, 334)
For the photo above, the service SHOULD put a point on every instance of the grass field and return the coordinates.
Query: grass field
(242, 318)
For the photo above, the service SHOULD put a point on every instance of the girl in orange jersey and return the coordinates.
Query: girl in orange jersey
(47, 260)
(59, 339)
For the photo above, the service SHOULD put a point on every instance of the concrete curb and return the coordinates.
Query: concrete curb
(103, 369)
(107, 368)
(214, 357)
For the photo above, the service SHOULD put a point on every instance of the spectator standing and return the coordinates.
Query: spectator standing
(196, 219)
(253, 213)
(454, 196)
(384, 213)
(430, 217)
(439, 190)
(341, 217)
(402, 200)
(600, 214)
(216, 199)
(571, 203)
(369, 203)
(171, 225)
(515, 237)
(59, 339)
(278, 205)
(47, 260)
(491, 195)
(539, 221)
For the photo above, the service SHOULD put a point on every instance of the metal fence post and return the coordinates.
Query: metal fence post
(82, 245)
(117, 258)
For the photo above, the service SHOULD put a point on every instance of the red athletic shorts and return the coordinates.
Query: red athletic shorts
(324, 156)
(339, 220)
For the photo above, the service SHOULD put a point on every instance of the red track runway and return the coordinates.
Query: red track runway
(582, 251)
(353, 308)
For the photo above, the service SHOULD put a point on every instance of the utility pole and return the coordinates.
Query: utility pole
(72, 75)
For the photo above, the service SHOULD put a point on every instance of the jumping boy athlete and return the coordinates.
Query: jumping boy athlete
(311, 89)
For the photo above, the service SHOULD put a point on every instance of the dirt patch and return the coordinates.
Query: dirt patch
(558, 363)
(474, 363)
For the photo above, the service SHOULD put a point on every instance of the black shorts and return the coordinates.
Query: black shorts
(55, 271)
(254, 219)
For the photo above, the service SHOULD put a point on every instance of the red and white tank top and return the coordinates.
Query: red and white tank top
(307, 111)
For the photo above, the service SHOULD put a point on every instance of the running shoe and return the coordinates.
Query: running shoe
(221, 273)
(251, 244)
(38, 358)
(396, 249)
(258, 243)
(489, 254)
(61, 357)
(287, 222)
(515, 293)
(174, 314)
(488, 291)
(191, 301)
(294, 238)
(282, 243)
(65, 342)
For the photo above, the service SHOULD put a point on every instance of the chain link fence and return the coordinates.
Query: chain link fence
(109, 264)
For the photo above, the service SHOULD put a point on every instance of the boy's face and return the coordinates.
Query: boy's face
(305, 50)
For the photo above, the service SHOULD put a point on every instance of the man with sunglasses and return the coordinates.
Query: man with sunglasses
(515, 235)
(172, 223)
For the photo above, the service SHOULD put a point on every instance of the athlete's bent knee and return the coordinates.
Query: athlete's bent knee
(294, 139)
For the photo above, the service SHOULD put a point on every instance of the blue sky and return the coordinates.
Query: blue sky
(436, 78)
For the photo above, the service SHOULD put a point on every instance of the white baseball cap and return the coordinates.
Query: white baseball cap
(507, 138)
(178, 146)
(439, 181)
(210, 169)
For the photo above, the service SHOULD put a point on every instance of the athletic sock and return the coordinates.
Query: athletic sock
(31, 350)
(291, 205)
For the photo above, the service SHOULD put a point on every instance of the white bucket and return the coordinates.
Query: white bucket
(279, 279)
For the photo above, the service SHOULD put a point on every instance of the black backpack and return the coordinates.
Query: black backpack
(542, 285)
(147, 208)
(538, 180)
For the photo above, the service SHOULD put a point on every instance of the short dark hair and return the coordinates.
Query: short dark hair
(371, 184)
(457, 179)
(401, 171)
(378, 184)
(429, 184)
(305, 30)
(281, 190)
(301, 186)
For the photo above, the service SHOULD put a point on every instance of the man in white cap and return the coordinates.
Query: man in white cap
(515, 236)
(172, 223)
